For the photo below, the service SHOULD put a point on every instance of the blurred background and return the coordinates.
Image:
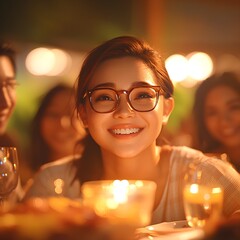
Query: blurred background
(52, 37)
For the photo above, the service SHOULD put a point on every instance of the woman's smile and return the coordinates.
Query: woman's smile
(125, 131)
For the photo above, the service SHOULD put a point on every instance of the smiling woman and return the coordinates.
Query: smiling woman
(124, 98)
(217, 117)
(55, 129)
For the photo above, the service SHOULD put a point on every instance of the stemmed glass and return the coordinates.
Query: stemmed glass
(203, 198)
(8, 173)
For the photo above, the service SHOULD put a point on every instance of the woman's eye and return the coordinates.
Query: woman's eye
(211, 113)
(10, 84)
(143, 95)
(235, 107)
(104, 98)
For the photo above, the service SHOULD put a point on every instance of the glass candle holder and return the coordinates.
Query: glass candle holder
(121, 201)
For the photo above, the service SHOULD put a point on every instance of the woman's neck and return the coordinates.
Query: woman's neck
(141, 166)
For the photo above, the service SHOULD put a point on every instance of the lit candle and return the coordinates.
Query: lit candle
(121, 201)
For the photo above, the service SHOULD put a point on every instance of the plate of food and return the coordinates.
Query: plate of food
(178, 230)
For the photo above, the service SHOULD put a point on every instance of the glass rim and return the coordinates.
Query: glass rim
(107, 182)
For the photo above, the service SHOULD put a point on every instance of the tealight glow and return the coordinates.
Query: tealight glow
(121, 201)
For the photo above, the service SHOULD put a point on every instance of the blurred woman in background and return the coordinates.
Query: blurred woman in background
(55, 128)
(217, 117)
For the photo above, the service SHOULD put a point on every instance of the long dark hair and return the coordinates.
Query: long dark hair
(202, 139)
(90, 166)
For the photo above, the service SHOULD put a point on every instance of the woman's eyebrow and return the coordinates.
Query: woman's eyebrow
(141, 84)
(107, 84)
(112, 85)
(233, 100)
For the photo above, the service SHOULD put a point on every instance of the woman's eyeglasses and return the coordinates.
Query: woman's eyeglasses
(141, 99)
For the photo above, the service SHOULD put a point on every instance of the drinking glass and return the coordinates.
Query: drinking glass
(202, 199)
(8, 172)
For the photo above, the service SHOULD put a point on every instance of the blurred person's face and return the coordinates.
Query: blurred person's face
(222, 115)
(56, 125)
(7, 91)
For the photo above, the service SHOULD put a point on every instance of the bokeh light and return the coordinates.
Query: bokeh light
(200, 66)
(176, 66)
(40, 61)
(49, 62)
(62, 60)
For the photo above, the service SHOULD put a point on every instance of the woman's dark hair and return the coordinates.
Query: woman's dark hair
(90, 166)
(202, 139)
(7, 50)
(39, 150)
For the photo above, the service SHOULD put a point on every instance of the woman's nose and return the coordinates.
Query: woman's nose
(224, 118)
(5, 100)
(65, 121)
(124, 109)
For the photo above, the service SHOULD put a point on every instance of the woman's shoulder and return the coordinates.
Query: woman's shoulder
(189, 154)
(51, 175)
(63, 168)
(61, 163)
(182, 155)
(185, 152)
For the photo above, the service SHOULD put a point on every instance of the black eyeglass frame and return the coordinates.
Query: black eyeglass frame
(158, 90)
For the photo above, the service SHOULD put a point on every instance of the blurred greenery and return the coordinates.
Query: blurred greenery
(183, 106)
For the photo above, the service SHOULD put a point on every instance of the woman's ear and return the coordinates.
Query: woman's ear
(83, 115)
(168, 106)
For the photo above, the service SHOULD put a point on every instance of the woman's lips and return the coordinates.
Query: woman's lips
(228, 132)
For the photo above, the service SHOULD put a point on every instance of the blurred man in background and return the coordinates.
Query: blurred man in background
(7, 103)
(7, 90)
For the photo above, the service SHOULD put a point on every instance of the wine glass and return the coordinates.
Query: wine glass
(8, 173)
(202, 198)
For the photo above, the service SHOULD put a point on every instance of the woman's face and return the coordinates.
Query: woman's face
(125, 132)
(56, 124)
(222, 115)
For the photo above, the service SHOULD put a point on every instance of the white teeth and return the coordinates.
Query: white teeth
(126, 130)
